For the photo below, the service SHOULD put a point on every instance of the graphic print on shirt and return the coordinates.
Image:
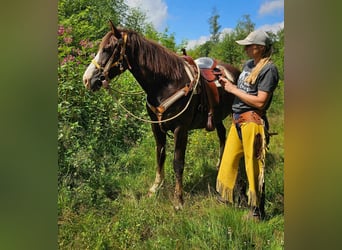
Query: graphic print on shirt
(248, 88)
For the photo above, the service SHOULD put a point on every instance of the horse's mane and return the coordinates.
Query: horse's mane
(152, 55)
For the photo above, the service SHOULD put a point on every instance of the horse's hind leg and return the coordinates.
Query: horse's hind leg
(160, 138)
(221, 133)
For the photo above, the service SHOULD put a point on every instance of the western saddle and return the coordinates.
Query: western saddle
(210, 71)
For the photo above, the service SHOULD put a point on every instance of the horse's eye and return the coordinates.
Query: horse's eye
(106, 49)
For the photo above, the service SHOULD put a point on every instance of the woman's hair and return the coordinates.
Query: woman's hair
(266, 58)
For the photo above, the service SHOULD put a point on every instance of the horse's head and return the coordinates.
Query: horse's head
(109, 61)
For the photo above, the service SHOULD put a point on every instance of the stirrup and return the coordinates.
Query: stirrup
(210, 124)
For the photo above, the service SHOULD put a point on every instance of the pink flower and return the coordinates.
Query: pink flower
(68, 40)
(83, 43)
(67, 59)
(86, 44)
(61, 30)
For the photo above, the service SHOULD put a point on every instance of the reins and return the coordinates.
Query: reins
(110, 90)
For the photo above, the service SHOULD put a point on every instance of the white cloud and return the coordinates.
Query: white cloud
(226, 31)
(155, 10)
(274, 28)
(194, 43)
(270, 7)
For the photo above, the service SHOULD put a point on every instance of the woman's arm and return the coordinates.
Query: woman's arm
(258, 101)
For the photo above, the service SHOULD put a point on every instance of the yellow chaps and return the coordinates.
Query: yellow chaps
(253, 148)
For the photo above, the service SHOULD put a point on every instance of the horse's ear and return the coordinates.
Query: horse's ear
(115, 31)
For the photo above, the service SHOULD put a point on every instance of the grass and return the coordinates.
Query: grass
(142, 223)
(119, 215)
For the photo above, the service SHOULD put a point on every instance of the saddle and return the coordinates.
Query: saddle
(210, 71)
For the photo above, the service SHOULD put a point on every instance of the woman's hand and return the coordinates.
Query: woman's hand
(226, 84)
(257, 101)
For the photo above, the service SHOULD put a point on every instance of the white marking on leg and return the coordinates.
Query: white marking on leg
(158, 182)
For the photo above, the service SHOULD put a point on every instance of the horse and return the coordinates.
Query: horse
(175, 94)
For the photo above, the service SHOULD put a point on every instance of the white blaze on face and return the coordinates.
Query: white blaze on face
(88, 74)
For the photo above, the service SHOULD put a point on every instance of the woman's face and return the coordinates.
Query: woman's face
(254, 51)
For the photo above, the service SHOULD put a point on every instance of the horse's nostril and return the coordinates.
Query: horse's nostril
(86, 82)
(102, 78)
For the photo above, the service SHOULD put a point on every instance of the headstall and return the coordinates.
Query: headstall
(110, 64)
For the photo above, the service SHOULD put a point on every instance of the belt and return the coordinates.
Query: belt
(249, 116)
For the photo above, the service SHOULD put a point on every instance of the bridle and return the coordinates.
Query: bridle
(119, 63)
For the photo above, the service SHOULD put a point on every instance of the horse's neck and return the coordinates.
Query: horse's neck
(150, 82)
(157, 86)
(144, 78)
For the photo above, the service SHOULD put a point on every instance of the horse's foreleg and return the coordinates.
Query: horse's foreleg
(160, 139)
(221, 133)
(181, 138)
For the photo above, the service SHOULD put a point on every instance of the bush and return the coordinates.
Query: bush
(93, 131)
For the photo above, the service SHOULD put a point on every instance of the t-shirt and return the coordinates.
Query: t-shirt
(267, 81)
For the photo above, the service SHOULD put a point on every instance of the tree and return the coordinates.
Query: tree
(244, 26)
(135, 20)
(278, 52)
(204, 49)
(226, 49)
(214, 26)
(168, 40)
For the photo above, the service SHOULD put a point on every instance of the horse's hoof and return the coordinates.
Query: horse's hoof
(178, 204)
(178, 207)
(150, 194)
(154, 189)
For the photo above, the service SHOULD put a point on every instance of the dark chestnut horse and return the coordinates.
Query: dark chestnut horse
(175, 93)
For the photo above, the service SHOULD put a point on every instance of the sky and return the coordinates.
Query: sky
(189, 19)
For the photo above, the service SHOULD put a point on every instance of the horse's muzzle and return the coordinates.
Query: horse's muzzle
(96, 83)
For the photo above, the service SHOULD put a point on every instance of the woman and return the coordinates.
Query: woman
(248, 133)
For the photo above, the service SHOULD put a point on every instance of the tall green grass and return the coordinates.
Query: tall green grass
(117, 214)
